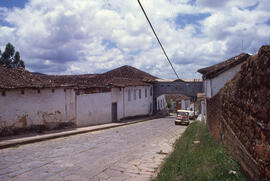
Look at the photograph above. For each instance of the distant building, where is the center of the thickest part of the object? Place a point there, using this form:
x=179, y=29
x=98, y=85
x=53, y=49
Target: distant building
x=201, y=99
x=178, y=101
x=188, y=87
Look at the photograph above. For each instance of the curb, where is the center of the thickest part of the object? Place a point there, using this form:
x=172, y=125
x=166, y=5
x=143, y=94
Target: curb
x=66, y=134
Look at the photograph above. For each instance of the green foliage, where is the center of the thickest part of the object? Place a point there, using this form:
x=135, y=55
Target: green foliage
x=207, y=160
x=10, y=58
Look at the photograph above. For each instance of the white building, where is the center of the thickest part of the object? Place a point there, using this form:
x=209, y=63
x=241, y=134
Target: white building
x=30, y=101
x=161, y=103
x=216, y=76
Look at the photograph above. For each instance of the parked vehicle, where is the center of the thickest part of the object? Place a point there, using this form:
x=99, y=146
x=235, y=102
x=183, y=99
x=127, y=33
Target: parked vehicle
x=182, y=117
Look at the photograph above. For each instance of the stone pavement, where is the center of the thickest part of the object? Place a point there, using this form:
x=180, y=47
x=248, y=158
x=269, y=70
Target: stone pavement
x=10, y=141
x=131, y=152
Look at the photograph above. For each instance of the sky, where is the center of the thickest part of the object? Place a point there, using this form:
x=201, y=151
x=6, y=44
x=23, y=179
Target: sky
x=95, y=36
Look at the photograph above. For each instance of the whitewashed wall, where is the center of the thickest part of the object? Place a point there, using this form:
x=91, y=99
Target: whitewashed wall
x=117, y=97
x=161, y=102
x=138, y=106
x=215, y=84
x=203, y=110
x=185, y=104
x=94, y=109
x=19, y=110
x=50, y=108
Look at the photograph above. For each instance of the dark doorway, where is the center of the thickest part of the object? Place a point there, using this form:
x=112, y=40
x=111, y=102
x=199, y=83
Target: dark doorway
x=155, y=105
x=114, y=111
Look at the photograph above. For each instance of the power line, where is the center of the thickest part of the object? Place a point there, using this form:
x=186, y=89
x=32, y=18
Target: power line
x=157, y=38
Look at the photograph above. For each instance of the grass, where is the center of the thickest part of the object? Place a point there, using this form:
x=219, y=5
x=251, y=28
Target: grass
x=207, y=160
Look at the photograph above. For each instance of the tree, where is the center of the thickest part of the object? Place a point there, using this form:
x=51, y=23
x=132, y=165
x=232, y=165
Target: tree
x=10, y=58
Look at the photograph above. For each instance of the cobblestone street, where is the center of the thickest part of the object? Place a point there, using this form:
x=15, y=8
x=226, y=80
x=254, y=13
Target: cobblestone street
x=131, y=152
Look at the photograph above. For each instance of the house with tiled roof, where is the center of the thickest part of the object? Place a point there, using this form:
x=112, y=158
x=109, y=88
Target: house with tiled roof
x=178, y=101
x=216, y=76
x=29, y=101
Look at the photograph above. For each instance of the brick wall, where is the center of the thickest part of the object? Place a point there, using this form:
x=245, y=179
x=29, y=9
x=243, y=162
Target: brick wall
x=239, y=115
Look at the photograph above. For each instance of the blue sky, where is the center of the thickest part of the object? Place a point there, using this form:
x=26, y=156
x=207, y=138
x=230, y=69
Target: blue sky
x=73, y=37
x=185, y=19
x=12, y=3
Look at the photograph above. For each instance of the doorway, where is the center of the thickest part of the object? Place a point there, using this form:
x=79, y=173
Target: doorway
x=114, y=112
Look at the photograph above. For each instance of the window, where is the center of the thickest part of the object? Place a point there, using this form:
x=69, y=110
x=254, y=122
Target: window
x=52, y=90
x=38, y=91
x=134, y=94
x=140, y=93
x=3, y=93
x=145, y=92
x=151, y=91
x=129, y=95
x=22, y=91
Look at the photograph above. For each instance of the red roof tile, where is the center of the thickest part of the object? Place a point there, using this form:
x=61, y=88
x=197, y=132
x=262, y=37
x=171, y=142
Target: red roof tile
x=121, y=77
x=176, y=97
x=215, y=70
x=19, y=78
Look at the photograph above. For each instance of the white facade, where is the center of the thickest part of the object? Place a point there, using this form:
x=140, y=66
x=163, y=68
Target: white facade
x=203, y=108
x=185, y=103
x=161, y=102
x=50, y=107
x=29, y=107
x=118, y=98
x=93, y=109
x=132, y=101
x=212, y=86
x=138, y=101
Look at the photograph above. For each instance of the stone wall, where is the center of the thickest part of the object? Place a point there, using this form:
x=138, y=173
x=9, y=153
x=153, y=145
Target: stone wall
x=239, y=115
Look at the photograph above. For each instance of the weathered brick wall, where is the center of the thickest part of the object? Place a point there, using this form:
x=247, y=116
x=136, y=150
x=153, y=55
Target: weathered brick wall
x=239, y=115
x=214, y=116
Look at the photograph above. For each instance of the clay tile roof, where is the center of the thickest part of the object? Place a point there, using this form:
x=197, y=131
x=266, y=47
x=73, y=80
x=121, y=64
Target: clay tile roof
x=176, y=97
x=200, y=95
x=121, y=77
x=125, y=76
x=215, y=70
x=80, y=81
x=19, y=78
x=130, y=72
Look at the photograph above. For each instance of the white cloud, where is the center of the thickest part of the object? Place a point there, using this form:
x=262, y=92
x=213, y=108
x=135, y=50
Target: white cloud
x=67, y=37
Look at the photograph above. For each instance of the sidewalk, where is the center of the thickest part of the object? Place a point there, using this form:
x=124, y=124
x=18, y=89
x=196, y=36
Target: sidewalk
x=11, y=141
